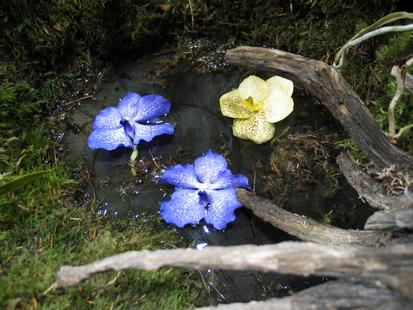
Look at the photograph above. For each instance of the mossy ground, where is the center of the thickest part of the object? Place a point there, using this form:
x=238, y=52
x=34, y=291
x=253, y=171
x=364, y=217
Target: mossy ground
x=53, y=53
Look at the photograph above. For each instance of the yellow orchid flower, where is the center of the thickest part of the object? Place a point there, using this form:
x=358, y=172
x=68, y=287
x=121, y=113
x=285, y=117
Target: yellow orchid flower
x=256, y=105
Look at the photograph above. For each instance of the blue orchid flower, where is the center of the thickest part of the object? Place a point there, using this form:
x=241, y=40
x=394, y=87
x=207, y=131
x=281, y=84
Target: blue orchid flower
x=136, y=118
x=204, y=190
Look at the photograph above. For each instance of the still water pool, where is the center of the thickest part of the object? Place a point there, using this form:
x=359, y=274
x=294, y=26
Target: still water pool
x=199, y=126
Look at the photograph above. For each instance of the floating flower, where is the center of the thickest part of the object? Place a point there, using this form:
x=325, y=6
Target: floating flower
x=206, y=189
x=136, y=118
x=256, y=105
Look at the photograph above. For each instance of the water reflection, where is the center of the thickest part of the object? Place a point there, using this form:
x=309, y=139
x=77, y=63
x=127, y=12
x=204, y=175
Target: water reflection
x=200, y=127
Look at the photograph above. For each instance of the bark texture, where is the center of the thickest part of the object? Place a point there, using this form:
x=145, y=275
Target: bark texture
x=390, y=266
x=306, y=228
x=366, y=186
x=331, y=295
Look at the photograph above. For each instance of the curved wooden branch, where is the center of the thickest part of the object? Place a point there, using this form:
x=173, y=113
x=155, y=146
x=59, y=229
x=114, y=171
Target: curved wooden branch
x=408, y=82
x=335, y=93
x=306, y=228
x=366, y=186
x=390, y=266
x=330, y=295
x=391, y=219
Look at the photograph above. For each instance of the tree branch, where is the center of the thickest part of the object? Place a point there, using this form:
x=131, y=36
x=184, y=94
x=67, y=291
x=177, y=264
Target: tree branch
x=390, y=266
x=400, y=80
x=330, y=295
x=329, y=86
x=366, y=186
x=306, y=228
x=365, y=37
x=391, y=219
x=408, y=81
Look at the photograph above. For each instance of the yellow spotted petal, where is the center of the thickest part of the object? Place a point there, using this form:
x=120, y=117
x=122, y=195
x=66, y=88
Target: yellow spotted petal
x=255, y=128
x=278, y=106
x=232, y=106
x=277, y=83
x=255, y=88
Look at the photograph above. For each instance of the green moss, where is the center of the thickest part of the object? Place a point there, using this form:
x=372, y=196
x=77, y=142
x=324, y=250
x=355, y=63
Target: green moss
x=395, y=51
x=313, y=28
x=49, y=236
x=349, y=145
x=43, y=226
x=52, y=53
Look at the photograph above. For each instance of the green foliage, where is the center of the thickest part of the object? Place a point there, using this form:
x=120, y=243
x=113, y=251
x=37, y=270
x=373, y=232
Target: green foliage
x=312, y=28
x=395, y=51
x=349, y=145
x=43, y=240
x=9, y=185
x=48, y=33
x=19, y=102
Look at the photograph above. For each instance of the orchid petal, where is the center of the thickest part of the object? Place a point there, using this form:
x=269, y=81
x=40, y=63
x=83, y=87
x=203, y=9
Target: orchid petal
x=221, y=208
x=280, y=84
x=148, y=132
x=108, y=118
x=232, y=106
x=181, y=176
x=226, y=180
x=128, y=106
x=278, y=106
x=183, y=208
x=152, y=107
x=208, y=166
x=255, y=88
x=256, y=128
x=108, y=139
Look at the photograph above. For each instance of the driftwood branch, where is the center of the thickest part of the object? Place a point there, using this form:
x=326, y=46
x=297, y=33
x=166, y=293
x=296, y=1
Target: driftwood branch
x=400, y=79
x=366, y=186
x=408, y=81
x=306, y=228
x=391, y=219
x=331, y=295
x=371, y=31
x=390, y=266
x=369, y=35
x=335, y=93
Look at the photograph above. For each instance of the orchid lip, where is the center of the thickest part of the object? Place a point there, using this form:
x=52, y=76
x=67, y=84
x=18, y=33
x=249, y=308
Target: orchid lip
x=204, y=198
x=128, y=127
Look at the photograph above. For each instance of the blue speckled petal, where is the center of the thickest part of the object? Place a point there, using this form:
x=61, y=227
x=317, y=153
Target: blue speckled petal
x=129, y=106
x=151, y=107
x=208, y=166
x=226, y=180
x=108, y=118
x=182, y=176
x=108, y=139
x=183, y=208
x=148, y=132
x=221, y=209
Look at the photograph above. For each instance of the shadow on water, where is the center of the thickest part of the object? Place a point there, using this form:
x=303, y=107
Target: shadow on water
x=200, y=127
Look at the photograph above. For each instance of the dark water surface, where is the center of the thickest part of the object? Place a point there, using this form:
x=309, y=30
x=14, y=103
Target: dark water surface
x=199, y=127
